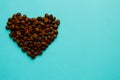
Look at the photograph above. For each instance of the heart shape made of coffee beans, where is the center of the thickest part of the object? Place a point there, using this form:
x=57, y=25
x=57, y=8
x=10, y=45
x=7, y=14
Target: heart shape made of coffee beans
x=33, y=35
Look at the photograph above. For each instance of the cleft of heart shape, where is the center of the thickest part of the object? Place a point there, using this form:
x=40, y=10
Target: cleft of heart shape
x=33, y=35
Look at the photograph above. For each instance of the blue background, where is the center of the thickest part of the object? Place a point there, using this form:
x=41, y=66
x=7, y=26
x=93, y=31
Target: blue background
x=87, y=47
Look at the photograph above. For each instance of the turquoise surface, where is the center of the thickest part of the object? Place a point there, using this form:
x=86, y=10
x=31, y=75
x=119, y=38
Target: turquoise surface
x=87, y=47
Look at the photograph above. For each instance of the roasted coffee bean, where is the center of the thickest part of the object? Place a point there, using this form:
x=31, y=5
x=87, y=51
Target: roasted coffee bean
x=24, y=49
x=39, y=18
x=43, y=33
x=37, y=29
x=51, y=16
x=18, y=41
x=51, y=33
x=14, y=38
x=23, y=22
x=18, y=14
x=55, y=32
x=46, y=20
x=28, y=48
x=54, y=35
x=30, y=54
x=46, y=15
x=9, y=23
x=20, y=44
x=57, y=22
x=33, y=51
x=7, y=27
x=55, y=26
x=33, y=35
x=35, y=43
x=43, y=43
x=18, y=33
x=39, y=52
x=54, y=18
x=24, y=16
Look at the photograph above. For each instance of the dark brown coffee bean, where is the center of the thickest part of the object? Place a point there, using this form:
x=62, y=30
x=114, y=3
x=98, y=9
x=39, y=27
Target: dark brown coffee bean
x=32, y=51
x=35, y=43
x=55, y=26
x=31, y=38
x=37, y=29
x=39, y=18
x=23, y=22
x=35, y=53
x=51, y=17
x=9, y=19
x=28, y=49
x=20, y=44
x=43, y=47
x=54, y=18
x=46, y=20
x=9, y=23
x=26, y=20
x=14, y=38
x=43, y=43
x=54, y=35
x=47, y=29
x=36, y=22
x=51, y=33
x=24, y=16
x=49, y=37
x=7, y=27
x=18, y=14
x=35, y=35
x=42, y=24
x=43, y=33
x=24, y=49
x=39, y=52
x=57, y=22
x=27, y=31
x=55, y=32
x=17, y=40
x=18, y=33
x=30, y=54
x=46, y=15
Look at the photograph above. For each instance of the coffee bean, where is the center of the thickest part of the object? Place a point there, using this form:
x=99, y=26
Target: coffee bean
x=46, y=20
x=55, y=32
x=57, y=22
x=37, y=29
x=35, y=35
x=9, y=19
x=24, y=49
x=55, y=26
x=23, y=22
x=18, y=14
x=46, y=15
x=39, y=18
x=30, y=54
x=54, y=18
x=54, y=35
x=24, y=16
x=18, y=33
x=7, y=27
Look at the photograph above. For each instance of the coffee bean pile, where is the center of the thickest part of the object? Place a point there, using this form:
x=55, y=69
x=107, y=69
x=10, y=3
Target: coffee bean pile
x=33, y=35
